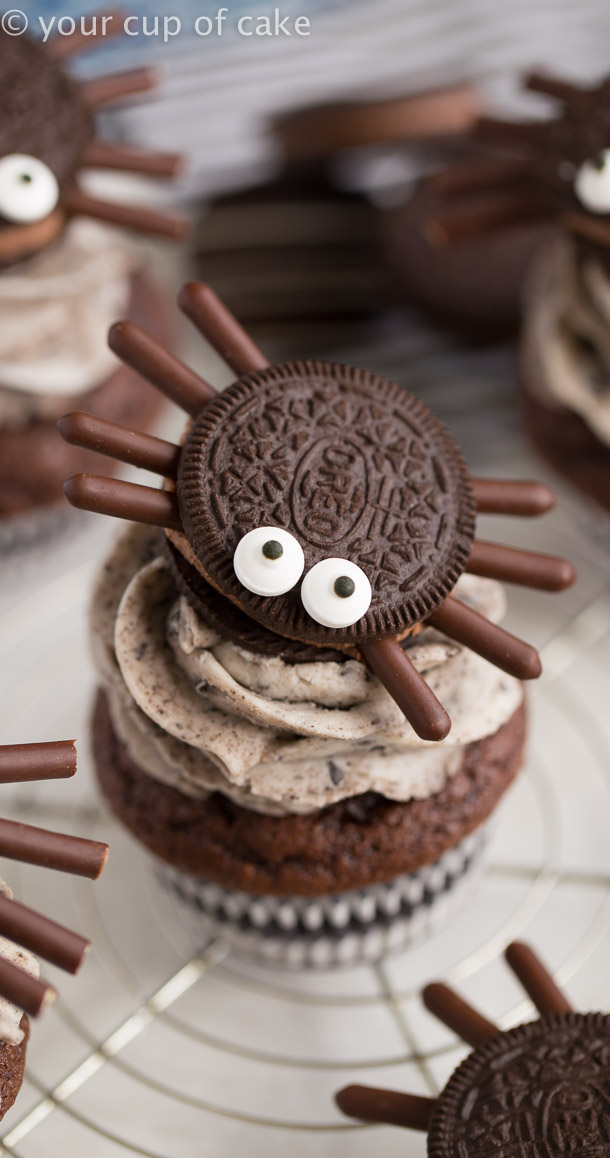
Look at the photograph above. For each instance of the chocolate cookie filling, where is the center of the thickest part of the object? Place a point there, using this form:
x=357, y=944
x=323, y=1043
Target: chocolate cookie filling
x=348, y=845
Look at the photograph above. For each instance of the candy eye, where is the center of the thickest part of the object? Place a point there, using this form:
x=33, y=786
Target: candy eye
x=336, y=593
x=592, y=183
x=28, y=189
x=268, y=561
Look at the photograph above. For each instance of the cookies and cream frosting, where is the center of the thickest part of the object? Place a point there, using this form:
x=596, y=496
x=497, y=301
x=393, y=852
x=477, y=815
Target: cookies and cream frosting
x=566, y=335
x=55, y=312
x=201, y=713
x=10, y=1015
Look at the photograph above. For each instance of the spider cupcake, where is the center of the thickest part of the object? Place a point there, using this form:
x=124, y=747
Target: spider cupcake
x=64, y=272
x=308, y=708
x=539, y=1090
x=559, y=173
x=23, y=931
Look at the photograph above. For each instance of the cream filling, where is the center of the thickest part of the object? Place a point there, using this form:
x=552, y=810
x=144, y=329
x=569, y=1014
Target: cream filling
x=55, y=311
x=10, y=1015
x=200, y=713
x=565, y=346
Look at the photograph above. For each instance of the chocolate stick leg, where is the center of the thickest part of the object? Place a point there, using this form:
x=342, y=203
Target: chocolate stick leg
x=104, y=89
x=62, y=47
x=212, y=318
x=54, y=850
x=124, y=158
x=142, y=450
x=395, y=1109
x=23, y=762
x=27, y=993
x=536, y=979
x=498, y=496
x=43, y=937
x=493, y=643
x=544, y=572
x=123, y=500
x=502, y=211
x=147, y=357
x=596, y=231
x=407, y=687
x=551, y=86
x=476, y=176
x=79, y=204
x=458, y=1015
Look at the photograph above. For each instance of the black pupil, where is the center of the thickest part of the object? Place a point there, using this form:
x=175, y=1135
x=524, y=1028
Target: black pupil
x=344, y=587
x=26, y=178
x=599, y=162
x=273, y=550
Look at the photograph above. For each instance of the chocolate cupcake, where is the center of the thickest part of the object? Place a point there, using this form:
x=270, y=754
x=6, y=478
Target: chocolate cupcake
x=65, y=272
x=23, y=931
x=538, y=1089
x=556, y=173
x=273, y=656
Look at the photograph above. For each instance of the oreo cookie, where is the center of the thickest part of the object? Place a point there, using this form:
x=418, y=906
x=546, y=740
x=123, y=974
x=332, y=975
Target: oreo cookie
x=360, y=472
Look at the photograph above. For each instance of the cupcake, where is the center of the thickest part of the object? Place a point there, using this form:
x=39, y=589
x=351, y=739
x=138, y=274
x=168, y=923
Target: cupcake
x=558, y=175
x=307, y=710
x=538, y=1089
x=65, y=273
x=23, y=931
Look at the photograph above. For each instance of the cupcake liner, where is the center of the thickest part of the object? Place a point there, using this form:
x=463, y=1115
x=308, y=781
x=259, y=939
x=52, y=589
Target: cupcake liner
x=339, y=929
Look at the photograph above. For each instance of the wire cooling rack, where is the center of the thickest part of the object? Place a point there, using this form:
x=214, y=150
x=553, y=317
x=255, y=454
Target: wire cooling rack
x=168, y=1048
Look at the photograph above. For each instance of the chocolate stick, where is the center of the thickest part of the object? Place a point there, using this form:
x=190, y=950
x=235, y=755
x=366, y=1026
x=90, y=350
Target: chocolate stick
x=493, y=643
x=503, y=211
x=20, y=763
x=544, y=572
x=24, y=991
x=536, y=979
x=407, y=687
x=141, y=220
x=147, y=357
x=108, y=155
x=123, y=500
x=56, y=850
x=476, y=176
x=528, y=134
x=104, y=89
x=458, y=1015
x=62, y=47
x=43, y=937
x=551, y=86
x=596, y=231
x=142, y=450
x=389, y=1106
x=498, y=496
x=212, y=318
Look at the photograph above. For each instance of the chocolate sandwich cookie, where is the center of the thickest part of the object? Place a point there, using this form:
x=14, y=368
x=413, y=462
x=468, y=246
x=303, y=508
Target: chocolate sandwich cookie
x=308, y=677
x=12, y=1066
x=537, y=1089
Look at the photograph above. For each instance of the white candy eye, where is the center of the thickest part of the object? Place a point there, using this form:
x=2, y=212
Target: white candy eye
x=28, y=189
x=336, y=593
x=592, y=183
x=268, y=561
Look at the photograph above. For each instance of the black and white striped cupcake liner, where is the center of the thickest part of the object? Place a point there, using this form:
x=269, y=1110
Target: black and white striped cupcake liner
x=359, y=925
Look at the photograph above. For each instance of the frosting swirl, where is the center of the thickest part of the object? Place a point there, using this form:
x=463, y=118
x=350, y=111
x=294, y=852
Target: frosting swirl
x=565, y=348
x=203, y=714
x=56, y=309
